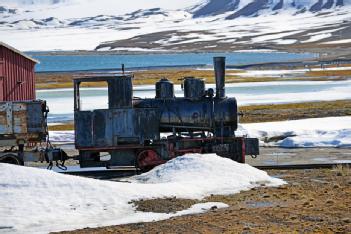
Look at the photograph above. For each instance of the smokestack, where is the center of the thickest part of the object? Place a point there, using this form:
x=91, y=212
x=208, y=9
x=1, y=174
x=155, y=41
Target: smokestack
x=219, y=67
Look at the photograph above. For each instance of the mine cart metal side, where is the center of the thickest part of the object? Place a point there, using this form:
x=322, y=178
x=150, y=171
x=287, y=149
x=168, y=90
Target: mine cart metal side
x=22, y=122
x=24, y=132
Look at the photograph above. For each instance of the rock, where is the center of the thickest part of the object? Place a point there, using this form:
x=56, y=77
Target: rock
x=306, y=203
x=330, y=202
x=214, y=208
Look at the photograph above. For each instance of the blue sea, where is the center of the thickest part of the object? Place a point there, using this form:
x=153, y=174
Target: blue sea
x=68, y=63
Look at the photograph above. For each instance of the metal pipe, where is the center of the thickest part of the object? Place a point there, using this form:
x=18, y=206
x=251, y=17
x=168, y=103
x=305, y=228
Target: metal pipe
x=219, y=68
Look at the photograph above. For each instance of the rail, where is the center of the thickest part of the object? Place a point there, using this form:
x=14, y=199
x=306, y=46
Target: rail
x=117, y=173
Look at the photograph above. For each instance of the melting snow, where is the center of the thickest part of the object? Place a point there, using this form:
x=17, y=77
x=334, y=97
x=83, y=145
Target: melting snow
x=288, y=72
x=316, y=132
x=40, y=201
x=338, y=41
x=317, y=37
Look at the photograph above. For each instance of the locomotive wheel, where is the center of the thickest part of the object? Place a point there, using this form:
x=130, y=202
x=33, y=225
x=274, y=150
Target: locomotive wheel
x=11, y=159
x=148, y=159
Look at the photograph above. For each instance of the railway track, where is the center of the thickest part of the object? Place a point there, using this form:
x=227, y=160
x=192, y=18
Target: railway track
x=116, y=174
x=303, y=166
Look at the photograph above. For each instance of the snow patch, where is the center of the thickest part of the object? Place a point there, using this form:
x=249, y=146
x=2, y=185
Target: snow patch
x=316, y=132
x=338, y=42
x=285, y=41
x=61, y=136
x=40, y=201
x=287, y=72
x=317, y=37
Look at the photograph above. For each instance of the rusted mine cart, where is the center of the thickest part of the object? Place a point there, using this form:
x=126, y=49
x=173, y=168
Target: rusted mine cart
x=143, y=133
x=24, y=134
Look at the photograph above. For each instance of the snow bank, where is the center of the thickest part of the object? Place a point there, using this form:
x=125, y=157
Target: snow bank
x=316, y=132
x=283, y=72
x=40, y=201
x=205, y=175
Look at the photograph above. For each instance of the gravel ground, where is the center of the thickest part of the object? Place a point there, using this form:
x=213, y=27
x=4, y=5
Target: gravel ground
x=313, y=201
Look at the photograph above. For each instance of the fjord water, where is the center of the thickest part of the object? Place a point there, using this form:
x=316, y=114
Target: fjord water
x=60, y=101
x=64, y=63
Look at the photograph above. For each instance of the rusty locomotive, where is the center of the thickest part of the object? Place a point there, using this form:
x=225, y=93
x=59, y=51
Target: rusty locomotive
x=148, y=132
x=135, y=132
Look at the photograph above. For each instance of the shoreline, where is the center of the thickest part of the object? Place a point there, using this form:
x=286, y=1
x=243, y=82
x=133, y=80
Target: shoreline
x=290, y=71
x=125, y=52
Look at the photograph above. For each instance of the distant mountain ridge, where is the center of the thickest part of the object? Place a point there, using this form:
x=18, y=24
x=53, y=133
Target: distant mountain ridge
x=253, y=7
x=34, y=2
x=200, y=8
x=181, y=25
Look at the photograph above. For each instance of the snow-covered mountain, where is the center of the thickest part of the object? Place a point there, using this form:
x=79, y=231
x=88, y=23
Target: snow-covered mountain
x=172, y=25
x=255, y=7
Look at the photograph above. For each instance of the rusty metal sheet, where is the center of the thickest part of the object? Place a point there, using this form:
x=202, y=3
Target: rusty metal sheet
x=22, y=120
x=83, y=128
x=113, y=127
x=35, y=119
x=3, y=122
x=6, y=118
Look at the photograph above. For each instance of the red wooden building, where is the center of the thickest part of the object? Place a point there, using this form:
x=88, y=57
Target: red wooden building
x=16, y=75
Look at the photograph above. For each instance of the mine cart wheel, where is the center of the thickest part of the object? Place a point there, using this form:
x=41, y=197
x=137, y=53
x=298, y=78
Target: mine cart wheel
x=148, y=159
x=11, y=159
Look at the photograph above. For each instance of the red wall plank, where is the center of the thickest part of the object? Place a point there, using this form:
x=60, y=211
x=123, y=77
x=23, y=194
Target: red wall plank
x=1, y=90
x=1, y=68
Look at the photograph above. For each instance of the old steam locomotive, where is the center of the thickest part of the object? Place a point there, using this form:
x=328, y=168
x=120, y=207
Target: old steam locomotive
x=148, y=132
